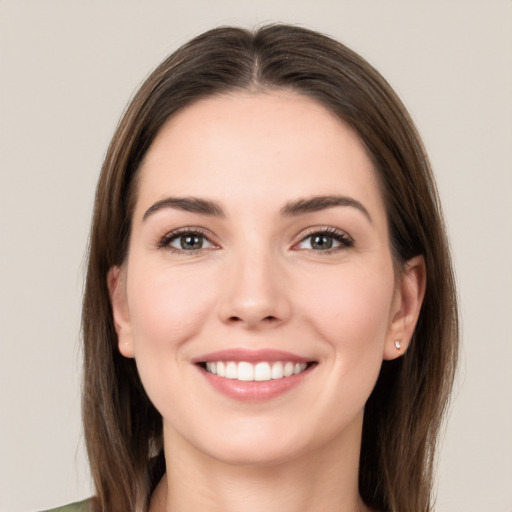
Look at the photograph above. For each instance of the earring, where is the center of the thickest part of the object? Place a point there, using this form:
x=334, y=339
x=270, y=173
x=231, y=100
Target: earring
x=397, y=344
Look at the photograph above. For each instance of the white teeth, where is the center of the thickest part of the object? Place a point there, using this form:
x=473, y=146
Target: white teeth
x=261, y=372
x=245, y=371
x=231, y=370
x=258, y=372
x=288, y=369
x=221, y=369
x=298, y=368
x=277, y=371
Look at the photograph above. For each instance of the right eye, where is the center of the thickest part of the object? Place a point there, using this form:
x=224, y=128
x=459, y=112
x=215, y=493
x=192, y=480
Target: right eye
x=186, y=241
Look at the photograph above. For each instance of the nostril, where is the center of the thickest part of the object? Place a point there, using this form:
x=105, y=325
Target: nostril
x=267, y=319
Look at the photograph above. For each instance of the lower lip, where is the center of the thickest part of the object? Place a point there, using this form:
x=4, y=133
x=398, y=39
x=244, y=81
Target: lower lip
x=254, y=391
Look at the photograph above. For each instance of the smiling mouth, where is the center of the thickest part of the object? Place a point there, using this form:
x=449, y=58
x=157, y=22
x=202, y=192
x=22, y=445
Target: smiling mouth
x=255, y=372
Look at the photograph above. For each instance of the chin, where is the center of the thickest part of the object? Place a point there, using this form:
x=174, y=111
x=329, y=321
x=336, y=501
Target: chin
x=264, y=444
x=257, y=455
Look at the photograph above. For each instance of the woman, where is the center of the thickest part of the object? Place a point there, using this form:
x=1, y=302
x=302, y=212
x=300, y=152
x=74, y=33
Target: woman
x=269, y=319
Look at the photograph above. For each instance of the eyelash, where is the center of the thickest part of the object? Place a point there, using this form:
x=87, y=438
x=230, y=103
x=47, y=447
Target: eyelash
x=339, y=236
x=344, y=240
x=165, y=241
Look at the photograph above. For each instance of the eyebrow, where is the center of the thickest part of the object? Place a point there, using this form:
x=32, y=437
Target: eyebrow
x=187, y=204
x=291, y=209
x=318, y=203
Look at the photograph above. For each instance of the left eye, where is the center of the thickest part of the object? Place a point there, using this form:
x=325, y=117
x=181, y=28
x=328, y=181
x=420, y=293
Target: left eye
x=324, y=241
x=189, y=242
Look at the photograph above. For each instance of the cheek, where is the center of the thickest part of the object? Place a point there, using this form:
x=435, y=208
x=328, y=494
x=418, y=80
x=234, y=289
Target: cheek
x=167, y=307
x=350, y=316
x=350, y=310
x=350, y=302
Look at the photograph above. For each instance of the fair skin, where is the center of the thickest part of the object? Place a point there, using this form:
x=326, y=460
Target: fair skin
x=251, y=270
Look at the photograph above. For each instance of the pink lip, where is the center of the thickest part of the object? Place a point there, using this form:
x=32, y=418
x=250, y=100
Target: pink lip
x=253, y=391
x=250, y=356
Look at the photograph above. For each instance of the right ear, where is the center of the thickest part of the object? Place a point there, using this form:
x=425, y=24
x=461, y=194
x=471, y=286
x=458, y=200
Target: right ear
x=116, y=282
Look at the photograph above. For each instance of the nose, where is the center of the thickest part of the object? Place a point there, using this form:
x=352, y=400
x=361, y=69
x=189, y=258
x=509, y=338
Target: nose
x=256, y=295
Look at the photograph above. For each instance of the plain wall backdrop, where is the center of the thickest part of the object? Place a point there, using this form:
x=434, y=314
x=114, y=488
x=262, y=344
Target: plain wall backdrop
x=67, y=70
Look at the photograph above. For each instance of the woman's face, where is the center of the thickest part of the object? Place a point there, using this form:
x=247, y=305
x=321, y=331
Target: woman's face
x=258, y=296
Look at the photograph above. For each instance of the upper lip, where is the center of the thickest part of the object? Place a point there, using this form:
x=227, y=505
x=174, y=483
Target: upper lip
x=250, y=356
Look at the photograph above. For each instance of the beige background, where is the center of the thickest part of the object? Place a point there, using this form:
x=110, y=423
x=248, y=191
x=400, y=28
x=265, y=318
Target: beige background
x=68, y=68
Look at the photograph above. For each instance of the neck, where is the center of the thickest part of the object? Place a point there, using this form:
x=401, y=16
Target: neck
x=322, y=480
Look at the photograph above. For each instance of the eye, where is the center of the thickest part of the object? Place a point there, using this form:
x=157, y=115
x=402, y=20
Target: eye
x=328, y=239
x=188, y=241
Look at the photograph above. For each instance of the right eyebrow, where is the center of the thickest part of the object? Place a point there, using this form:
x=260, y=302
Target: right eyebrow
x=187, y=204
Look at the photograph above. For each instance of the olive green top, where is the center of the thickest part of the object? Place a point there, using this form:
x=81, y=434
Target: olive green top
x=79, y=506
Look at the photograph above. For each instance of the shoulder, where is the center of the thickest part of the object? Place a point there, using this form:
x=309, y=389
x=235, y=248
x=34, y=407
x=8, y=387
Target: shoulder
x=79, y=506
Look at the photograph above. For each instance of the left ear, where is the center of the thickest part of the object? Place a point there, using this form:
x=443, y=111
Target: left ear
x=407, y=302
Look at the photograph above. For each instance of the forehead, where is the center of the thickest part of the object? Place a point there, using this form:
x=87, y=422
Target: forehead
x=255, y=147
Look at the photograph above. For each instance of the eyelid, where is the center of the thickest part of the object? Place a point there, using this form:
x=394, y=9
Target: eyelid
x=164, y=241
x=341, y=236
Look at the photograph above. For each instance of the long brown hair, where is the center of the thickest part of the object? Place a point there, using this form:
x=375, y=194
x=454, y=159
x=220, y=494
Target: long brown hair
x=123, y=430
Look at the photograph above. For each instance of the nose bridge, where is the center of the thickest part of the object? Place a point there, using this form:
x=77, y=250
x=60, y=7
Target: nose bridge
x=255, y=293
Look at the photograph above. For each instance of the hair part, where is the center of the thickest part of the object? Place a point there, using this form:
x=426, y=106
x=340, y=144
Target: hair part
x=123, y=430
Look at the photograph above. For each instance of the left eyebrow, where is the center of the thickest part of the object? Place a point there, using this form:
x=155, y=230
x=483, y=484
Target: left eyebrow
x=318, y=203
